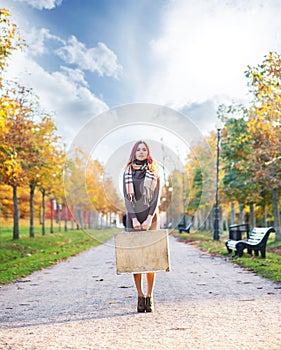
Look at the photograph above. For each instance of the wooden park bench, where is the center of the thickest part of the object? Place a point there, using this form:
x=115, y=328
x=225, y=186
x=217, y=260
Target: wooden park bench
x=255, y=242
x=184, y=228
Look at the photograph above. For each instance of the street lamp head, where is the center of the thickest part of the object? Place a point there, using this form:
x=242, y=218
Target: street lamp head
x=219, y=124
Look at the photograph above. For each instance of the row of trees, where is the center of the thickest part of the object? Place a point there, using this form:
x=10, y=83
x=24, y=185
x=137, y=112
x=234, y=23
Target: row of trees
x=87, y=189
x=250, y=170
x=254, y=143
x=30, y=149
x=32, y=155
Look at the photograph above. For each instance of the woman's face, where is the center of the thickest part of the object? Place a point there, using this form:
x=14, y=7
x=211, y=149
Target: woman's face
x=141, y=152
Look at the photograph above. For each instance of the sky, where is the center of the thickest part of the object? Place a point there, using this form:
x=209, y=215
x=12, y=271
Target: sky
x=91, y=56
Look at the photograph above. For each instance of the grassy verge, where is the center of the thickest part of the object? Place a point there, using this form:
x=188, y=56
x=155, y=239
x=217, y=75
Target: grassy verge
x=19, y=258
x=270, y=267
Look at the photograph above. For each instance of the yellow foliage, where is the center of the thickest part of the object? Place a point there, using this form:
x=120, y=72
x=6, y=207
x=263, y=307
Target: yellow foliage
x=10, y=40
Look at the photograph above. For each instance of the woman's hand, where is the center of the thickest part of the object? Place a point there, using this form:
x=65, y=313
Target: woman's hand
x=147, y=223
x=136, y=224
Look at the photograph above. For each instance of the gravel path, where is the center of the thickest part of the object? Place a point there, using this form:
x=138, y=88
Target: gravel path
x=204, y=302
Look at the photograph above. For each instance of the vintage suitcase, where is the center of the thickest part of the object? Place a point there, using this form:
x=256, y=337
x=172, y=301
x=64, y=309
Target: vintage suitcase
x=142, y=251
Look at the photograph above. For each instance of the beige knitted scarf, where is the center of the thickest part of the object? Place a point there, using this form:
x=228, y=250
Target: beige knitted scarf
x=150, y=182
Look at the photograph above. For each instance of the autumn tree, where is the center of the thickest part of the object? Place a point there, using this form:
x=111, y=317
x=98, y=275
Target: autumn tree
x=74, y=181
x=87, y=190
x=200, y=181
x=10, y=167
x=82, y=191
x=43, y=161
x=10, y=41
x=29, y=154
x=17, y=140
x=100, y=189
x=51, y=183
x=264, y=126
x=237, y=160
x=177, y=202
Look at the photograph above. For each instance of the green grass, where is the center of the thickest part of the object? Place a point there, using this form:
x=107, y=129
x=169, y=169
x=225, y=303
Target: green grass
x=270, y=267
x=19, y=258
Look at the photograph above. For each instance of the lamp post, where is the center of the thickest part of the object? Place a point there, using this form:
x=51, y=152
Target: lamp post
x=219, y=126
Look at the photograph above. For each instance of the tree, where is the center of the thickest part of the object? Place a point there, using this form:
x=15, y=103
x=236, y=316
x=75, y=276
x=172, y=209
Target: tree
x=50, y=175
x=43, y=161
x=27, y=149
x=237, y=158
x=17, y=140
x=179, y=194
x=200, y=170
x=265, y=127
x=10, y=41
x=85, y=184
x=10, y=167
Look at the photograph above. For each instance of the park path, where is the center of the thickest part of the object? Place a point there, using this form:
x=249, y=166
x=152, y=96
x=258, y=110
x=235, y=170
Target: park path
x=204, y=302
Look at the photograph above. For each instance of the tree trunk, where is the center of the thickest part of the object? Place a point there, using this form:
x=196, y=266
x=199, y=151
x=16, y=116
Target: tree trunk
x=43, y=212
x=226, y=219
x=57, y=211
x=200, y=222
x=232, y=213
x=264, y=214
x=101, y=220
x=276, y=213
x=252, y=216
x=241, y=213
x=221, y=220
x=195, y=220
x=78, y=218
x=89, y=219
x=263, y=209
x=72, y=218
x=52, y=217
x=84, y=216
x=16, y=214
x=31, y=206
x=95, y=219
x=40, y=215
x=59, y=216
x=65, y=218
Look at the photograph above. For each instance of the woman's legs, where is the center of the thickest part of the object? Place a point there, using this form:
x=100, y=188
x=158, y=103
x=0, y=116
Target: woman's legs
x=145, y=303
x=150, y=280
x=138, y=283
x=141, y=299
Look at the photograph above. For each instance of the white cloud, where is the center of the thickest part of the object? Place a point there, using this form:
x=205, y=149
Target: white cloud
x=36, y=39
x=98, y=59
x=42, y=4
x=205, y=47
x=75, y=75
x=64, y=92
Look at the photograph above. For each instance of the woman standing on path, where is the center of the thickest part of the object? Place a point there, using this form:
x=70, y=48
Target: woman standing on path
x=141, y=193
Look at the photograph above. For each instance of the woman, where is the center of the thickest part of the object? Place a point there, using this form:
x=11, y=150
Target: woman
x=141, y=194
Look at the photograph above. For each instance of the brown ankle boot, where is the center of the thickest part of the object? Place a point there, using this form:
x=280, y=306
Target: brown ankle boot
x=141, y=304
x=149, y=306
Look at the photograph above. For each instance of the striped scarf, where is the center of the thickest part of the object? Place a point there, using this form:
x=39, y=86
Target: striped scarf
x=150, y=182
